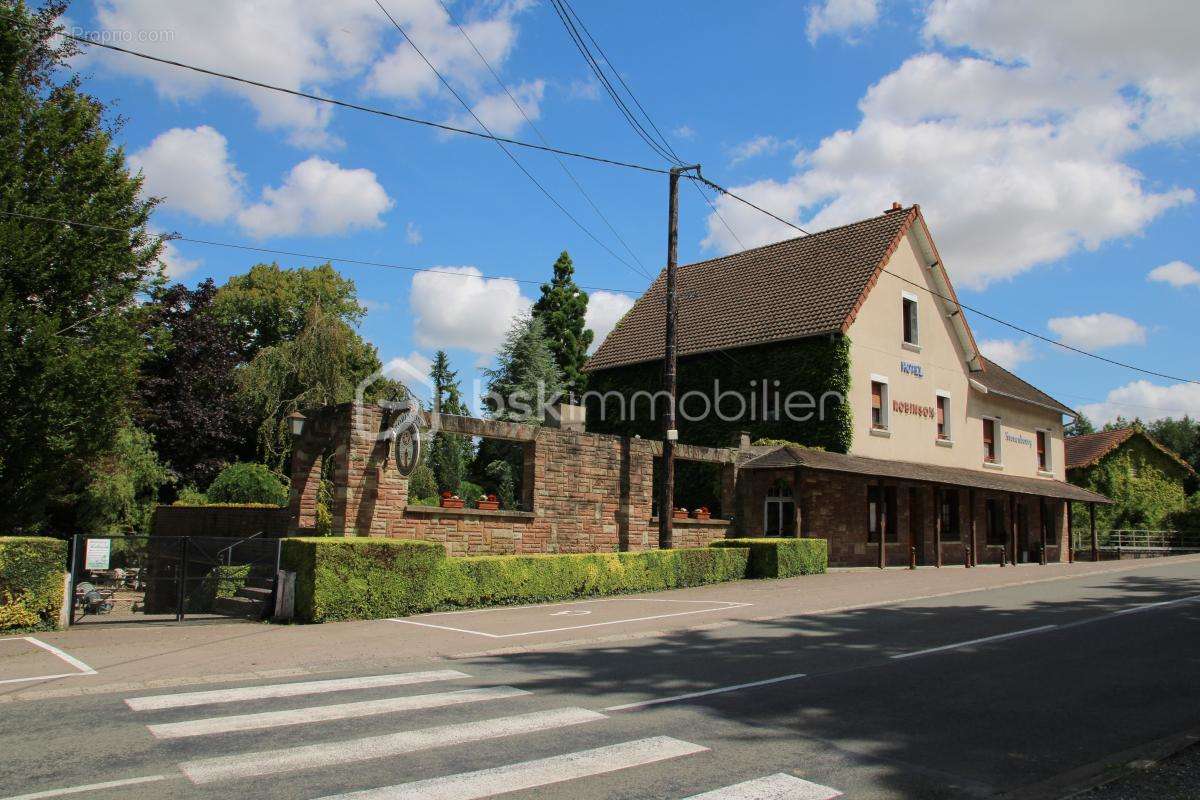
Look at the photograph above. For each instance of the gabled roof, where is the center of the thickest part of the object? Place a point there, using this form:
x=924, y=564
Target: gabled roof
x=997, y=380
x=1087, y=449
x=787, y=290
x=789, y=456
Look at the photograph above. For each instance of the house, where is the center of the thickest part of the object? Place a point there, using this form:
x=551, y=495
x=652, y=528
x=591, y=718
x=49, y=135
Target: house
x=1146, y=479
x=887, y=431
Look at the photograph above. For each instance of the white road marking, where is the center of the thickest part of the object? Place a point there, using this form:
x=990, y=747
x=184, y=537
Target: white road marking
x=970, y=643
x=181, y=700
x=779, y=786
x=532, y=774
x=571, y=613
x=1161, y=604
x=303, y=716
x=705, y=693
x=91, y=787
x=725, y=607
x=271, y=762
x=83, y=668
x=70, y=659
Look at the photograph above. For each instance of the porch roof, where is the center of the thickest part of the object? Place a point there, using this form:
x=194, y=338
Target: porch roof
x=789, y=456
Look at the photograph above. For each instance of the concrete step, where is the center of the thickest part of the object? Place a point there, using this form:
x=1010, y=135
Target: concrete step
x=254, y=593
x=240, y=607
x=259, y=582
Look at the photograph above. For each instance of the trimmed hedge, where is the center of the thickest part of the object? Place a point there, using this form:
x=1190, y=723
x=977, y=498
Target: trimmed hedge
x=361, y=578
x=782, y=558
x=31, y=582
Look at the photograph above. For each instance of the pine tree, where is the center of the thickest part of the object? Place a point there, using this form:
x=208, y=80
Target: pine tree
x=562, y=308
x=526, y=374
x=449, y=455
x=1079, y=426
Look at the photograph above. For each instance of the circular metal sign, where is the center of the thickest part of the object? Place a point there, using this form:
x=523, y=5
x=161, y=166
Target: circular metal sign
x=408, y=450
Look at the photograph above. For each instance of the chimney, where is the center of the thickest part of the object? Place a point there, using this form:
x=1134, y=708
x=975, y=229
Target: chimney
x=895, y=207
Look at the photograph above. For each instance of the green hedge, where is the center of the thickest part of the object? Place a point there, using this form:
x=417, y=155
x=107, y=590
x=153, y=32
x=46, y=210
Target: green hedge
x=348, y=578
x=31, y=582
x=782, y=558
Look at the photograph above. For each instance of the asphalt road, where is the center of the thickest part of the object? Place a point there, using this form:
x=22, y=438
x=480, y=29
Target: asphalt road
x=901, y=701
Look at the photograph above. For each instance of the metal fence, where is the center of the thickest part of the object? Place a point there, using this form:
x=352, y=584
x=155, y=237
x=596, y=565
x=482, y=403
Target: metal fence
x=1139, y=541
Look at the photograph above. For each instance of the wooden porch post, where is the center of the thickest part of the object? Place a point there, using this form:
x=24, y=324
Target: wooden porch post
x=937, y=524
x=1095, y=536
x=973, y=561
x=883, y=524
x=1070, y=531
x=1043, y=506
x=1012, y=524
x=797, y=501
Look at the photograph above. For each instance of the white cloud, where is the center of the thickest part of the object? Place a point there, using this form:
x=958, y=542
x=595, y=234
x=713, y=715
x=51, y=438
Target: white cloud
x=684, y=132
x=1146, y=400
x=840, y=17
x=458, y=307
x=1177, y=273
x=318, y=197
x=1093, y=331
x=412, y=233
x=409, y=367
x=757, y=146
x=175, y=265
x=1008, y=353
x=1017, y=154
x=190, y=168
x=604, y=311
x=588, y=89
x=498, y=113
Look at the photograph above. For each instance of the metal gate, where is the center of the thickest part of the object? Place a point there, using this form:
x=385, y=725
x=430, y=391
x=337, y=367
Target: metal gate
x=172, y=578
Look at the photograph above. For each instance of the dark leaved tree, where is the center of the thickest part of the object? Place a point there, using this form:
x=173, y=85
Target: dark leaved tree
x=562, y=309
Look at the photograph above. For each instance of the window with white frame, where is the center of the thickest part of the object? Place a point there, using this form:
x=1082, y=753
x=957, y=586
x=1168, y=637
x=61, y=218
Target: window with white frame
x=908, y=307
x=945, y=432
x=991, y=441
x=880, y=418
x=1043, y=451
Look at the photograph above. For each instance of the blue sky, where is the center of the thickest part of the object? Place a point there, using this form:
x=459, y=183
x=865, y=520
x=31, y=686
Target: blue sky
x=1052, y=150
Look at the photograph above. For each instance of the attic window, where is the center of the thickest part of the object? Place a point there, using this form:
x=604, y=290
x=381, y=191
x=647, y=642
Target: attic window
x=909, y=312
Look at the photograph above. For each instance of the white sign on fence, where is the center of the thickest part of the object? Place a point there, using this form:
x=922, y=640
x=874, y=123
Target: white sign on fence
x=98, y=554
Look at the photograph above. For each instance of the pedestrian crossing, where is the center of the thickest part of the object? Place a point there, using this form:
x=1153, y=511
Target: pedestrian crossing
x=485, y=715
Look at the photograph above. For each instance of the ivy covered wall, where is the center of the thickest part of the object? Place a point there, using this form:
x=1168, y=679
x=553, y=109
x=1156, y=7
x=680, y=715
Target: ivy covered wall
x=818, y=365
x=1146, y=483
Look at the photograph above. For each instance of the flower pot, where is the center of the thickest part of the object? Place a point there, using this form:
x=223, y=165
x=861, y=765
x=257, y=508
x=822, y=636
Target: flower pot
x=488, y=505
x=452, y=502
x=701, y=515
x=679, y=514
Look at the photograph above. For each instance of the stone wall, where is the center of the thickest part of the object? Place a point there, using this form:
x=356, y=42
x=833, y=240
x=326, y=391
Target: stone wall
x=229, y=521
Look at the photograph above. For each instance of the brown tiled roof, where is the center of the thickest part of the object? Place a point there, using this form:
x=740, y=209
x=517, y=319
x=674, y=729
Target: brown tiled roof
x=787, y=456
x=999, y=380
x=787, y=290
x=1089, y=448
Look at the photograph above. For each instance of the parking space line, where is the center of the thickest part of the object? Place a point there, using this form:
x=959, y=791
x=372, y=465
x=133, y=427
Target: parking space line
x=728, y=605
x=972, y=642
x=91, y=787
x=705, y=693
x=304, y=716
x=271, y=762
x=160, y=701
x=83, y=668
x=779, y=786
x=532, y=774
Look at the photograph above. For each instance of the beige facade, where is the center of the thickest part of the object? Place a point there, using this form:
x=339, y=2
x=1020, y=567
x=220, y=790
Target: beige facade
x=938, y=362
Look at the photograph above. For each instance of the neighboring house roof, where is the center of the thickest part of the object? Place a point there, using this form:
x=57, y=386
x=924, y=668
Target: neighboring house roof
x=997, y=380
x=787, y=290
x=1087, y=450
x=788, y=456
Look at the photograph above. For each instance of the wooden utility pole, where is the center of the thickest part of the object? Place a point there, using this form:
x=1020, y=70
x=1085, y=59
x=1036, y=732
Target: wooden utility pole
x=1095, y=536
x=666, y=503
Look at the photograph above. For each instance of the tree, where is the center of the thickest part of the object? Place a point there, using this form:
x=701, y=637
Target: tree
x=1079, y=426
x=187, y=392
x=123, y=487
x=449, y=455
x=1181, y=435
x=269, y=306
x=562, y=308
x=526, y=375
x=247, y=483
x=70, y=343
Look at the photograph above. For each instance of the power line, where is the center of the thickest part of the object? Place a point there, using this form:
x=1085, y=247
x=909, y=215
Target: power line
x=540, y=136
x=500, y=144
x=973, y=310
x=345, y=103
x=296, y=254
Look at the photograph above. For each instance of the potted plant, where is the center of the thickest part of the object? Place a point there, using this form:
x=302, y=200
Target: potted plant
x=450, y=500
x=679, y=513
x=701, y=513
x=489, y=503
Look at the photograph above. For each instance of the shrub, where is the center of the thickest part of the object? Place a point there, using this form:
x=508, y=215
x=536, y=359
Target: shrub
x=470, y=493
x=191, y=496
x=338, y=579
x=31, y=582
x=782, y=558
x=421, y=482
x=248, y=483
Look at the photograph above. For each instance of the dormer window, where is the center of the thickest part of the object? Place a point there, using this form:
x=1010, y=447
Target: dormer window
x=908, y=303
